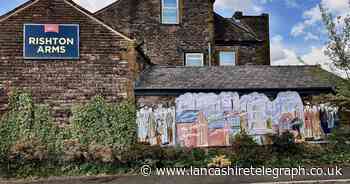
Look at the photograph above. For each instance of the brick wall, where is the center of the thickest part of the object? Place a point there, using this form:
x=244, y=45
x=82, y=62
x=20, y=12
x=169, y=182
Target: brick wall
x=246, y=54
x=103, y=67
x=261, y=26
x=164, y=44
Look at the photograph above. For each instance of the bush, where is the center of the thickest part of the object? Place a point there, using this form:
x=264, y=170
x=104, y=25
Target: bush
x=26, y=123
x=340, y=138
x=242, y=141
x=247, y=151
x=101, y=123
x=285, y=144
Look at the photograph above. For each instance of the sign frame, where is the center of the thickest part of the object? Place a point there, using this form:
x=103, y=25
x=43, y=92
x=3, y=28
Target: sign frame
x=50, y=58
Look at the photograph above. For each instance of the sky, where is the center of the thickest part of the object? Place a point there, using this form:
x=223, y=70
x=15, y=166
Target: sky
x=296, y=28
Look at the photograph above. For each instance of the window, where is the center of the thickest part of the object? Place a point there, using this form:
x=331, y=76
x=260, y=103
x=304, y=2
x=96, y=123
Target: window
x=194, y=59
x=170, y=11
x=227, y=58
x=257, y=116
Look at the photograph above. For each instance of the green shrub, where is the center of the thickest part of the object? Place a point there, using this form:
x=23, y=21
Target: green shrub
x=243, y=140
x=340, y=138
x=247, y=151
x=108, y=125
x=284, y=145
x=26, y=121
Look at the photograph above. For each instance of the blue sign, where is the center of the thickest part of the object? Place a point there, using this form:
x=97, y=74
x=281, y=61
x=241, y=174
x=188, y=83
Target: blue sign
x=51, y=41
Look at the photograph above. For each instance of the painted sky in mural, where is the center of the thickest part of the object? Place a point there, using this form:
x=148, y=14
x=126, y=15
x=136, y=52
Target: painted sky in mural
x=207, y=119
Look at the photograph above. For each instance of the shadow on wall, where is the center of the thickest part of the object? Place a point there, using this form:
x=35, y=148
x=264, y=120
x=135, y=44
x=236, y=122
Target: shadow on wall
x=210, y=120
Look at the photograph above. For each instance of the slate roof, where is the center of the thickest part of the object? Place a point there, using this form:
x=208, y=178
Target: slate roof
x=228, y=30
x=250, y=77
x=17, y=8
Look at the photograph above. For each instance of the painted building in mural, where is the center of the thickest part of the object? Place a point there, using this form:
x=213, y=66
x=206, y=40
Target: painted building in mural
x=197, y=78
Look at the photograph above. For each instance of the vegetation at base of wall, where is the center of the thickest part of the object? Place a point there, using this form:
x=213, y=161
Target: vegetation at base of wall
x=158, y=157
x=101, y=140
x=31, y=143
x=103, y=127
x=25, y=128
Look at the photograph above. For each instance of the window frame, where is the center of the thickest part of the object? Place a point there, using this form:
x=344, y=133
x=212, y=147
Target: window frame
x=194, y=53
x=163, y=8
x=235, y=53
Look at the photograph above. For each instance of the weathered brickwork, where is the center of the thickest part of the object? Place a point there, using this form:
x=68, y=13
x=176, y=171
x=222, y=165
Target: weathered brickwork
x=103, y=67
x=245, y=54
x=167, y=44
x=260, y=25
x=164, y=44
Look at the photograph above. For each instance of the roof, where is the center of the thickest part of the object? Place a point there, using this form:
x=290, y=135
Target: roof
x=235, y=78
x=107, y=7
x=69, y=2
x=228, y=30
x=17, y=9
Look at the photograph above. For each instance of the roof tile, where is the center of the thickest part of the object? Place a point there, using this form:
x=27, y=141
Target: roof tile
x=235, y=77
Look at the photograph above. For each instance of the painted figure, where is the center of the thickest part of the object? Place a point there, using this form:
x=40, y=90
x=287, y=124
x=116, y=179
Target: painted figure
x=156, y=126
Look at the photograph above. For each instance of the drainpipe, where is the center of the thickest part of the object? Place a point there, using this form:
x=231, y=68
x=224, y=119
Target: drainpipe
x=133, y=68
x=209, y=53
x=211, y=30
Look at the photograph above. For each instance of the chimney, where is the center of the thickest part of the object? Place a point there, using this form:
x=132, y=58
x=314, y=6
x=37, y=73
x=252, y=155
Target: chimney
x=238, y=15
x=261, y=26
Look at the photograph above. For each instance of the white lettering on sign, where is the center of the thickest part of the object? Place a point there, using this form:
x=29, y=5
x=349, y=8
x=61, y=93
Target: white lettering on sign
x=50, y=41
x=51, y=45
x=51, y=49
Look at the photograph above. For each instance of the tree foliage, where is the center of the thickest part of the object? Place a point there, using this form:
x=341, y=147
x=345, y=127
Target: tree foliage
x=338, y=50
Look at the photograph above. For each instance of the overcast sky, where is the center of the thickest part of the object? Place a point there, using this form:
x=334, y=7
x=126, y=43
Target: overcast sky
x=295, y=25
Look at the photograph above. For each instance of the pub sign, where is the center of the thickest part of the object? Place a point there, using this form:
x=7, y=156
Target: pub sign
x=51, y=41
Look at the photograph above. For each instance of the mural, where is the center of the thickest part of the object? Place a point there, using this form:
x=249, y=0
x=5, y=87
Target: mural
x=320, y=121
x=257, y=118
x=211, y=120
x=288, y=114
x=207, y=119
x=156, y=126
x=257, y=113
x=329, y=118
x=312, y=123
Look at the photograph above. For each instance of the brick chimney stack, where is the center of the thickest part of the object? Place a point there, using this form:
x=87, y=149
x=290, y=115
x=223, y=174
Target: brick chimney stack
x=261, y=25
